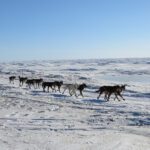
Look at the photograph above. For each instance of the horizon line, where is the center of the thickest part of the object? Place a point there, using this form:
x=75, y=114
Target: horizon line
x=71, y=59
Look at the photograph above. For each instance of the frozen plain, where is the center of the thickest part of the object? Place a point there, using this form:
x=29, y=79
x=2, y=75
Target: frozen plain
x=33, y=120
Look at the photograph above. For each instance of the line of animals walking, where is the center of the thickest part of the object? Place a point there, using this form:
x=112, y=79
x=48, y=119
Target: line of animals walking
x=108, y=91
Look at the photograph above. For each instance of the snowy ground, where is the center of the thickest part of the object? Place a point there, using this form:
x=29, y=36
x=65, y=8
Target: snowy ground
x=33, y=120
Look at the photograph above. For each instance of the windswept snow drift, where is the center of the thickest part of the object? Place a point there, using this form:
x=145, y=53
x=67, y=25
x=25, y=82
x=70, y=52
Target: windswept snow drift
x=33, y=120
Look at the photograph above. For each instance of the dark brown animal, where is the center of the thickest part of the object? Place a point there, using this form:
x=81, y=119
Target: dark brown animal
x=117, y=92
x=22, y=80
x=11, y=79
x=81, y=87
x=48, y=85
x=109, y=90
x=30, y=82
x=58, y=84
x=38, y=82
x=103, y=90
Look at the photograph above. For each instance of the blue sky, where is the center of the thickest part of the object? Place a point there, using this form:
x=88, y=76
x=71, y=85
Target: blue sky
x=72, y=29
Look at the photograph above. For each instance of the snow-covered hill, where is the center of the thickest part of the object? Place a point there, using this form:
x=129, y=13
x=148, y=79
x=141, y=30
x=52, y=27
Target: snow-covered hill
x=33, y=120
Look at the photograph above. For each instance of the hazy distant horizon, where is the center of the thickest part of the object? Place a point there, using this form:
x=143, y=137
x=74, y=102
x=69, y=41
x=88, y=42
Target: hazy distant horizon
x=74, y=59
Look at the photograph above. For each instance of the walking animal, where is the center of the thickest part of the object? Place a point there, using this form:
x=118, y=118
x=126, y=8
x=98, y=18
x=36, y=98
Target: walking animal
x=11, y=79
x=58, y=84
x=38, y=82
x=48, y=85
x=73, y=88
x=81, y=88
x=30, y=82
x=119, y=90
x=22, y=80
x=109, y=90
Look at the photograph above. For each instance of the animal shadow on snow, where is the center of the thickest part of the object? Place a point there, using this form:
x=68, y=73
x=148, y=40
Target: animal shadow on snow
x=36, y=93
x=55, y=95
x=97, y=101
x=59, y=95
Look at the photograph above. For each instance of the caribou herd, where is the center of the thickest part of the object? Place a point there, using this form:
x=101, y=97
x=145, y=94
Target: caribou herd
x=108, y=91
